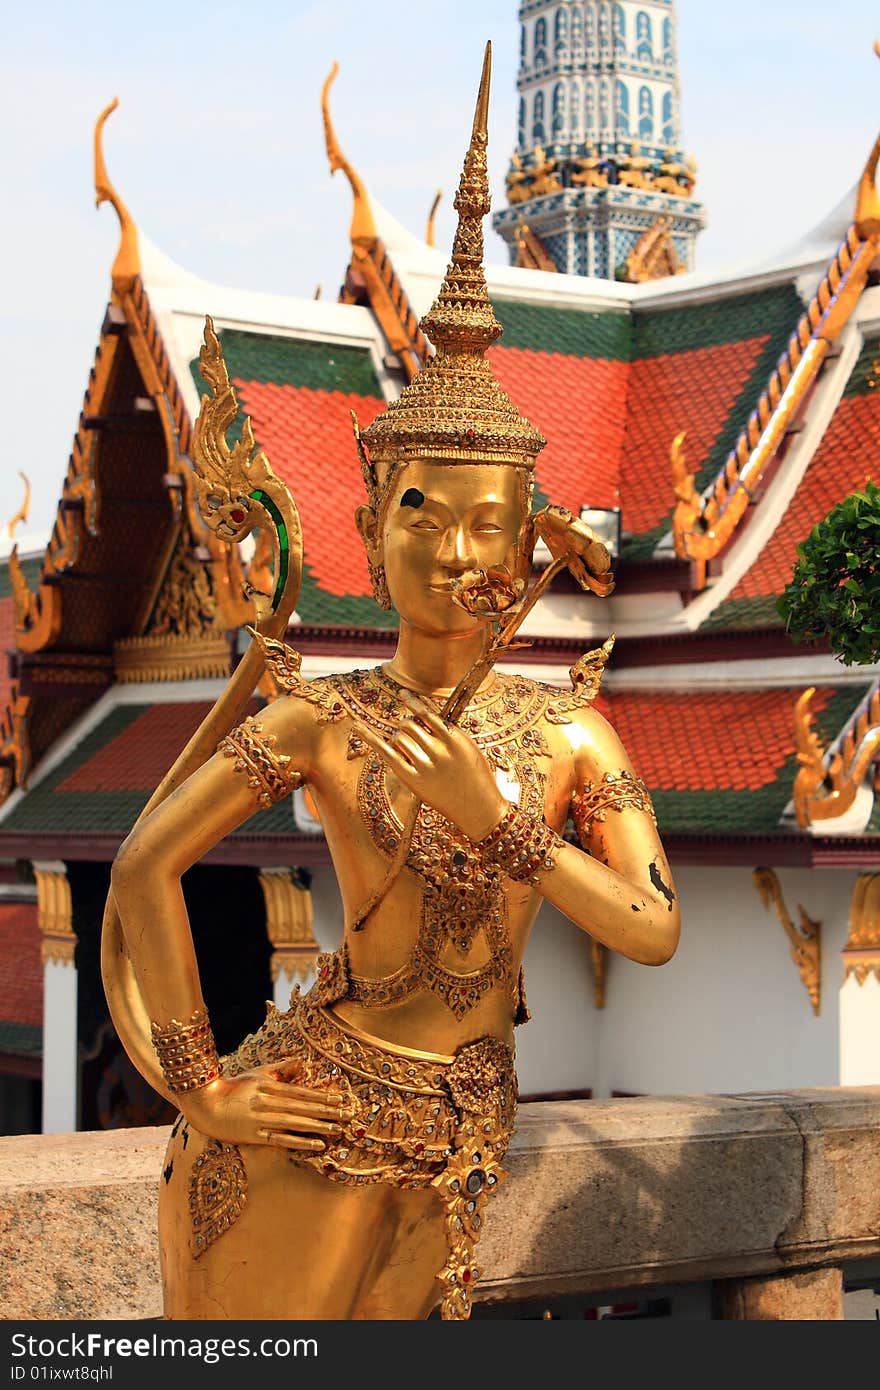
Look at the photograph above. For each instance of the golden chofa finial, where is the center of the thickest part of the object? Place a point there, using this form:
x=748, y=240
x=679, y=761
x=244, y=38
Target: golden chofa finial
x=867, y=214
x=127, y=265
x=22, y=513
x=363, y=228
x=429, y=234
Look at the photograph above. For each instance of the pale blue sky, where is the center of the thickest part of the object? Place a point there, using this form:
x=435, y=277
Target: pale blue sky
x=217, y=148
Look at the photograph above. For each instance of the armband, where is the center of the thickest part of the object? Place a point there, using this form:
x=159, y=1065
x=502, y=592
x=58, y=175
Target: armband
x=618, y=791
x=254, y=754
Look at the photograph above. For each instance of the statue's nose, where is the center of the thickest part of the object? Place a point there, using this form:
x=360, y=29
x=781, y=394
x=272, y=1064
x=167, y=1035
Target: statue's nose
x=455, y=550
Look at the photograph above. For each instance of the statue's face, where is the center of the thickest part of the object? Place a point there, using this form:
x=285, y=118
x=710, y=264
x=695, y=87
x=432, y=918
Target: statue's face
x=439, y=522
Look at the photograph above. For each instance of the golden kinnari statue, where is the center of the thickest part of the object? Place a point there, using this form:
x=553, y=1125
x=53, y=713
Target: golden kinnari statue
x=338, y=1164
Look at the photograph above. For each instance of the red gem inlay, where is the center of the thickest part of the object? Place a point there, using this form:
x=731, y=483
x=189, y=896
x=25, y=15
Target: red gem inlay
x=466, y=1276
x=238, y=515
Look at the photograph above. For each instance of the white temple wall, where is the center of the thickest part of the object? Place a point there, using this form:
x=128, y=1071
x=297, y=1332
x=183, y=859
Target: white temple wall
x=729, y=1013
x=860, y=1032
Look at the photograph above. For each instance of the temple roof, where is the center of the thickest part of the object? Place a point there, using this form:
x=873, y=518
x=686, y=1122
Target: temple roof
x=609, y=372
x=720, y=764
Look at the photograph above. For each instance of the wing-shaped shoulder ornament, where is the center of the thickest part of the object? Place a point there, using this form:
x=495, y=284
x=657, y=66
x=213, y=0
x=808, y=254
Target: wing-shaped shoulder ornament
x=586, y=678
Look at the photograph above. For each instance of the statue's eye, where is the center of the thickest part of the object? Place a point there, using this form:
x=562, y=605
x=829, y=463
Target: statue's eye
x=425, y=523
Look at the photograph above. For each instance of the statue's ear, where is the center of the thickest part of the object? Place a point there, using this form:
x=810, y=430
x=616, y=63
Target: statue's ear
x=367, y=522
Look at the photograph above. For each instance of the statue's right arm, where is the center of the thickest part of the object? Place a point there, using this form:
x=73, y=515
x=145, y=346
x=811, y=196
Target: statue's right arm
x=146, y=884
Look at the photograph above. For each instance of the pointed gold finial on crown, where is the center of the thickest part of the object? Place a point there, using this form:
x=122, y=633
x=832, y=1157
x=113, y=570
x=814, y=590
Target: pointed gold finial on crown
x=454, y=409
x=462, y=316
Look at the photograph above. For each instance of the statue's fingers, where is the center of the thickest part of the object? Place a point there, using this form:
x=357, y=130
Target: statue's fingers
x=277, y=1097
x=294, y=1120
x=394, y=760
x=312, y=1093
x=425, y=738
x=406, y=743
x=426, y=713
x=292, y=1141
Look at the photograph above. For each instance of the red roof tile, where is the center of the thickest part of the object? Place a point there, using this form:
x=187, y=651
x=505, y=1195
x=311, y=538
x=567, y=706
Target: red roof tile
x=579, y=403
x=694, y=390
x=307, y=434
x=848, y=454
x=21, y=970
x=720, y=740
x=138, y=758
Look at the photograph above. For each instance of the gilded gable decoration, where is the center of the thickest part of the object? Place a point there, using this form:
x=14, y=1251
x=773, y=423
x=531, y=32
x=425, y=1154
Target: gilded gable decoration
x=861, y=954
x=185, y=637
x=805, y=941
x=653, y=257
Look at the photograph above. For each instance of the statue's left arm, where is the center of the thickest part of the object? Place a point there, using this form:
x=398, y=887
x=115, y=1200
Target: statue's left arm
x=618, y=887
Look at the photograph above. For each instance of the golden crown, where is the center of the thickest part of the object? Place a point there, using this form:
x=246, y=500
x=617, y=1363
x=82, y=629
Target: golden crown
x=454, y=408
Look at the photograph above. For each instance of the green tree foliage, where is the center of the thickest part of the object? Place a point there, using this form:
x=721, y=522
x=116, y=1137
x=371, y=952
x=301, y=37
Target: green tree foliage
x=834, y=591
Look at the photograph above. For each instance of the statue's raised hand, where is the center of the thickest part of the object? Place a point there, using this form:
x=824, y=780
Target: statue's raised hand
x=443, y=767
x=258, y=1107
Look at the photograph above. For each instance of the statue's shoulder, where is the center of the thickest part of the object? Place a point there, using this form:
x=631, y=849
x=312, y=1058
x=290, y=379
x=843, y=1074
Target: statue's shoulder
x=563, y=707
x=330, y=695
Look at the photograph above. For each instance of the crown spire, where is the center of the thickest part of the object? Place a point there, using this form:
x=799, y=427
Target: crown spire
x=454, y=408
x=461, y=316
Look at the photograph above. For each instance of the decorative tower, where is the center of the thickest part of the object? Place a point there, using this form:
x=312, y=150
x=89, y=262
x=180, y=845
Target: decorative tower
x=599, y=184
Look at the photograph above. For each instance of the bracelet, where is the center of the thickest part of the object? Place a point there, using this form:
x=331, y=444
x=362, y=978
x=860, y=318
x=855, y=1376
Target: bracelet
x=254, y=754
x=520, y=846
x=187, y=1052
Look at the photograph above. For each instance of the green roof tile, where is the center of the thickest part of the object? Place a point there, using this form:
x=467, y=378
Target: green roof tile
x=865, y=375
x=21, y=1039
x=30, y=568
x=571, y=332
x=720, y=811
x=286, y=361
x=727, y=319
x=739, y=613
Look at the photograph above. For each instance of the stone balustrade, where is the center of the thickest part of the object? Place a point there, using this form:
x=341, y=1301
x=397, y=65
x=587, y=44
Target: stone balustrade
x=767, y=1196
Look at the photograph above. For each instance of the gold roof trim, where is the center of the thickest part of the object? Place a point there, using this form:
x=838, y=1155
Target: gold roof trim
x=363, y=228
x=24, y=509
x=454, y=408
x=703, y=526
x=429, y=230
x=127, y=265
x=826, y=788
x=371, y=278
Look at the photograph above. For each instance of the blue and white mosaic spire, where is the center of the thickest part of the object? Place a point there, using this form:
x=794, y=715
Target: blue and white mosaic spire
x=599, y=159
